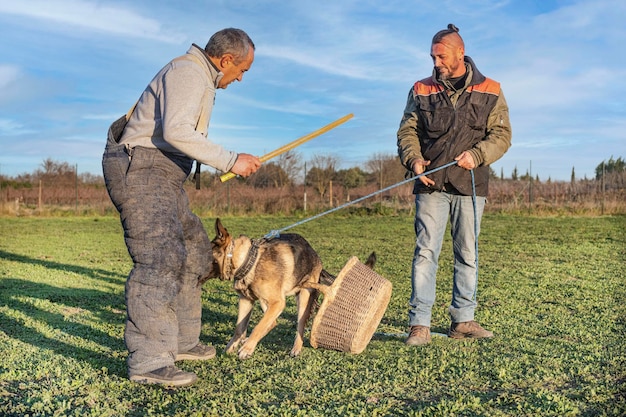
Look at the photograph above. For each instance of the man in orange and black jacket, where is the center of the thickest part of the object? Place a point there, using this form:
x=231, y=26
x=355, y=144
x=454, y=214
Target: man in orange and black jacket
x=460, y=115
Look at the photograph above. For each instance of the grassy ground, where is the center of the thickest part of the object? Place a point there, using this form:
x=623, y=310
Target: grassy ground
x=551, y=289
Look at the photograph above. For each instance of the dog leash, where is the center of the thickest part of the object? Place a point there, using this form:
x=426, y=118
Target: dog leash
x=475, y=231
x=276, y=233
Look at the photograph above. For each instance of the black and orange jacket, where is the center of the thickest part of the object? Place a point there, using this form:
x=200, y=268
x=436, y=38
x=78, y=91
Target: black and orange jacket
x=440, y=123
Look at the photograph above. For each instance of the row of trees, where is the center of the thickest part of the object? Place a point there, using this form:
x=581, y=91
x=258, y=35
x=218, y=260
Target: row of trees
x=321, y=171
x=382, y=170
x=289, y=170
x=51, y=172
x=285, y=181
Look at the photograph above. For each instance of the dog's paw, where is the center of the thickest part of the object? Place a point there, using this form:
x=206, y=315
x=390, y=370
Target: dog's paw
x=295, y=352
x=234, y=344
x=246, y=351
x=245, y=354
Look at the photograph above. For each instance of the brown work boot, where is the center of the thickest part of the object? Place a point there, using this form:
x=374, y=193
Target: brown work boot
x=168, y=376
x=418, y=335
x=469, y=330
x=197, y=353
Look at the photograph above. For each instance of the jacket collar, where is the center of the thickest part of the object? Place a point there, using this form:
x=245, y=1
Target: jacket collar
x=214, y=73
x=474, y=77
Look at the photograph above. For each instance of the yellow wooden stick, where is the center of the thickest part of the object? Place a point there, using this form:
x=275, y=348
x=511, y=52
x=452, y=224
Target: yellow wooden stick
x=225, y=177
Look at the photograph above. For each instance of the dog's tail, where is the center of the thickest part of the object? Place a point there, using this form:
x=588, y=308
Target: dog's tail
x=326, y=278
x=371, y=260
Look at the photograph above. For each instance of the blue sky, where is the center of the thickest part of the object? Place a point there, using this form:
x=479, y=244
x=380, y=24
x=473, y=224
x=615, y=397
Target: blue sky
x=68, y=68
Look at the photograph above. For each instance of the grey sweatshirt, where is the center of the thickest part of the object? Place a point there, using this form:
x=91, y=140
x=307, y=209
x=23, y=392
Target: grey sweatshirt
x=174, y=110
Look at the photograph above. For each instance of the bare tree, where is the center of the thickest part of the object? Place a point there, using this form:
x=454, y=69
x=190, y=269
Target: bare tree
x=322, y=172
x=269, y=175
x=56, y=172
x=386, y=169
x=290, y=164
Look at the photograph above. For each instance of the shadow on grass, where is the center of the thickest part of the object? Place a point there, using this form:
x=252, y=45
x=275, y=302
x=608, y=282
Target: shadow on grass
x=95, y=273
x=23, y=295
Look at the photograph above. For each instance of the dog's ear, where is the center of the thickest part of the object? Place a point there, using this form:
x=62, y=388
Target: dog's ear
x=220, y=230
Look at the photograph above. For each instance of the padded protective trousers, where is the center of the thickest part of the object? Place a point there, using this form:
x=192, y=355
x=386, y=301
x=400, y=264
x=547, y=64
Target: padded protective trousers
x=170, y=251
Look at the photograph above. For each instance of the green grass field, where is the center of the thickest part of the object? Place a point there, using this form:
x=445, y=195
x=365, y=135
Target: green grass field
x=551, y=289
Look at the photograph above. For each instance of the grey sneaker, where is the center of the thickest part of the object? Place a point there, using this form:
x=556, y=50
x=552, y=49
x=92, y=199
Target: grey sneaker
x=197, y=353
x=168, y=375
x=469, y=330
x=418, y=335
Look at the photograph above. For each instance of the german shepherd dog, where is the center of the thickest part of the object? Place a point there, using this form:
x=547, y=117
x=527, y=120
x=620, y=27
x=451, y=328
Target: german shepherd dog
x=269, y=270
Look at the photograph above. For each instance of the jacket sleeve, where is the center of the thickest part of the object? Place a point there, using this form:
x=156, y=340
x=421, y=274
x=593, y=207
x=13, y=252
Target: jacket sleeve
x=498, y=138
x=409, y=148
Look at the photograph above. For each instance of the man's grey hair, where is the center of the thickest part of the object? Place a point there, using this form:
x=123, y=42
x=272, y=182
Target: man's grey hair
x=230, y=41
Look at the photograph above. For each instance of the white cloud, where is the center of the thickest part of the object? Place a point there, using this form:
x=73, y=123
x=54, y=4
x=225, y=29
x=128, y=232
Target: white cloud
x=366, y=58
x=322, y=61
x=10, y=127
x=91, y=16
x=8, y=75
x=106, y=117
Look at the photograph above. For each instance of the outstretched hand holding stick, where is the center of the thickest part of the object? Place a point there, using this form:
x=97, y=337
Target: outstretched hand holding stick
x=225, y=177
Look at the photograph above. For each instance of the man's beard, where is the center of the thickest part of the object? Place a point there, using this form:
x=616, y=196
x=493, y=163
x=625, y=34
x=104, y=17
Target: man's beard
x=447, y=74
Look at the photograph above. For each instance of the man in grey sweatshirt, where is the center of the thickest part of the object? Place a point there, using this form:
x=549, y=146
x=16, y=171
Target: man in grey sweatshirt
x=144, y=174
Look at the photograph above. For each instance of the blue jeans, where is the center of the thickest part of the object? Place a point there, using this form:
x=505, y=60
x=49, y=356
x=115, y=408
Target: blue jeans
x=431, y=216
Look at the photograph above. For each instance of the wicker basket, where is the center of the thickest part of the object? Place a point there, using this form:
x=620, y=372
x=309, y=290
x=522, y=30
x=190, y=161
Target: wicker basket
x=351, y=310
